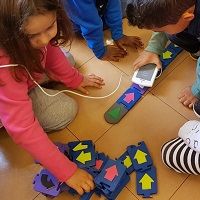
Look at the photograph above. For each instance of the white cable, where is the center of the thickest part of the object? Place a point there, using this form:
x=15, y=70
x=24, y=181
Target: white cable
x=81, y=95
x=62, y=91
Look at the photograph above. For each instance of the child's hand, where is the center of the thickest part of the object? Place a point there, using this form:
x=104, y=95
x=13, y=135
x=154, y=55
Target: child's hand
x=131, y=41
x=90, y=80
x=147, y=57
x=81, y=181
x=187, y=98
x=113, y=53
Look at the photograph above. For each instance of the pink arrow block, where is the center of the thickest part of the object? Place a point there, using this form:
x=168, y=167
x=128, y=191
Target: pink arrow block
x=111, y=172
x=129, y=97
x=98, y=164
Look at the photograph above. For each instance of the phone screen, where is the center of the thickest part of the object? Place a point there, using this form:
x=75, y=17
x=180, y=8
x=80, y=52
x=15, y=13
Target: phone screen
x=146, y=72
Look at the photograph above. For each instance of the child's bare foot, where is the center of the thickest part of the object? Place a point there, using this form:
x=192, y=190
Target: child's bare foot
x=187, y=98
x=81, y=181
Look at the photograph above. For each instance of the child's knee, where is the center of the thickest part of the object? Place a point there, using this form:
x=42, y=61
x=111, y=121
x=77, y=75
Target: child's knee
x=66, y=113
x=169, y=154
x=71, y=110
x=179, y=157
x=164, y=152
x=60, y=115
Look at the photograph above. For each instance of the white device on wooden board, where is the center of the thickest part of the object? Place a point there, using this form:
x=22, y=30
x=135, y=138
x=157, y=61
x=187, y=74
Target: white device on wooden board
x=145, y=75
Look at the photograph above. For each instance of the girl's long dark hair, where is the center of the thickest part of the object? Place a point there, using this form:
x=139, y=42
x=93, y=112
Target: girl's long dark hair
x=14, y=41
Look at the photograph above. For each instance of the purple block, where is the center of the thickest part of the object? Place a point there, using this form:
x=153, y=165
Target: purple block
x=64, y=148
x=46, y=183
x=141, y=89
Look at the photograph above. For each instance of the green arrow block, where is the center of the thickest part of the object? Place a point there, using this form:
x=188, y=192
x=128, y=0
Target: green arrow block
x=114, y=114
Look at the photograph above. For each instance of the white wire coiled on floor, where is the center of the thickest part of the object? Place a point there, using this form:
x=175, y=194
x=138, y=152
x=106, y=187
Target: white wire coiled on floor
x=62, y=91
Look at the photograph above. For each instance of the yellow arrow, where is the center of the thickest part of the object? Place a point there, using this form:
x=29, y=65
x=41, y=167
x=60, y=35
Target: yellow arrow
x=140, y=156
x=146, y=181
x=167, y=54
x=127, y=162
x=84, y=157
x=80, y=146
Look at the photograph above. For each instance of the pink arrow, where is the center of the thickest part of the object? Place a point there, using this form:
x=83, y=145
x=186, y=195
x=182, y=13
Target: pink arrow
x=129, y=97
x=98, y=164
x=111, y=172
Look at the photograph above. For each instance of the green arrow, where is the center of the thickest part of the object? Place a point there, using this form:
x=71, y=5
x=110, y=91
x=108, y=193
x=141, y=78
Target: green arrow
x=84, y=157
x=146, y=181
x=140, y=156
x=80, y=146
x=167, y=54
x=127, y=162
x=115, y=113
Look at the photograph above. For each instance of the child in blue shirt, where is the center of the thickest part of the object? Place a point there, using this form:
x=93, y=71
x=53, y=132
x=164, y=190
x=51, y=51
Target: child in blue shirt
x=89, y=18
x=182, y=28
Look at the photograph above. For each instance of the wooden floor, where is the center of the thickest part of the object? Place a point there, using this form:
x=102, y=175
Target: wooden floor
x=155, y=119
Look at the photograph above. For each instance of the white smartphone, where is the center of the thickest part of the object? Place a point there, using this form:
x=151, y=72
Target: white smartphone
x=145, y=75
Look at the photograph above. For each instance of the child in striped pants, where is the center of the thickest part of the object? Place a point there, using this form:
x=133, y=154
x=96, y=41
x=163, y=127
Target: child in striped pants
x=182, y=154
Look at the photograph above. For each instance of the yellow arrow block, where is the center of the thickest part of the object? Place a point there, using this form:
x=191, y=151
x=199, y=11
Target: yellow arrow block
x=140, y=156
x=127, y=162
x=146, y=181
x=80, y=147
x=167, y=54
x=84, y=157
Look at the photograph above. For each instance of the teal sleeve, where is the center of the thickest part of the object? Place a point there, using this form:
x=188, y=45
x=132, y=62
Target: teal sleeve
x=196, y=85
x=157, y=43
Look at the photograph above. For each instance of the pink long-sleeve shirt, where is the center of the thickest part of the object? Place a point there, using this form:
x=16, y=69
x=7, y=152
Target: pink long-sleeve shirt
x=17, y=116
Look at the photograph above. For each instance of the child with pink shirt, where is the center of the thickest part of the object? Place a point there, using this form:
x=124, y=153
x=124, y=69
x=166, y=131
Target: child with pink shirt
x=30, y=35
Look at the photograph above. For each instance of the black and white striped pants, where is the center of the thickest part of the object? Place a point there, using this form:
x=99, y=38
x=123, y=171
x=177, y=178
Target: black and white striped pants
x=181, y=158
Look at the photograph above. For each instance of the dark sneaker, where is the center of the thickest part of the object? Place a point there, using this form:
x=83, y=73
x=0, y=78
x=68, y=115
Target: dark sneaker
x=196, y=108
x=194, y=56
